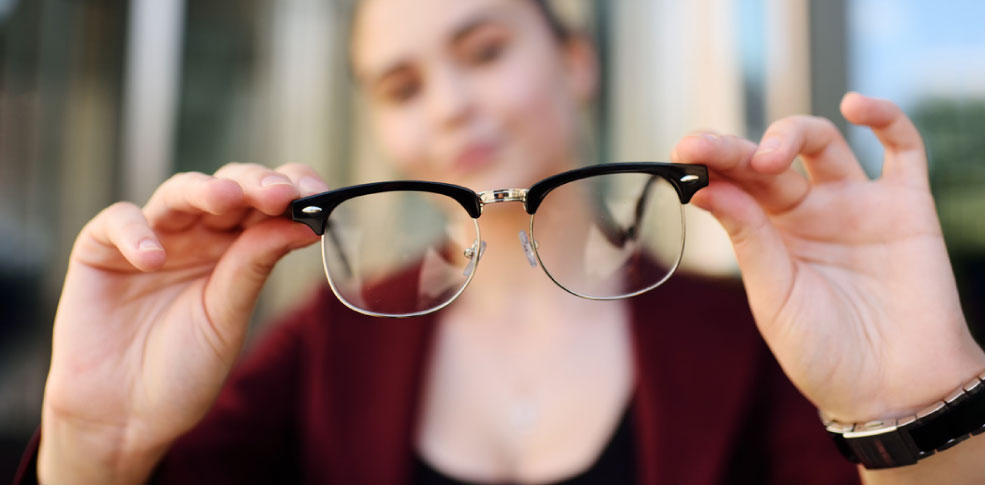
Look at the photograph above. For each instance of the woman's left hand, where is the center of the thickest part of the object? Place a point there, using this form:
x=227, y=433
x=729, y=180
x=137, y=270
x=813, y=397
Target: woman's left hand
x=848, y=278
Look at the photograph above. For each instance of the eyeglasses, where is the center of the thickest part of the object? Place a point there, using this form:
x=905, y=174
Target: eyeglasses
x=408, y=248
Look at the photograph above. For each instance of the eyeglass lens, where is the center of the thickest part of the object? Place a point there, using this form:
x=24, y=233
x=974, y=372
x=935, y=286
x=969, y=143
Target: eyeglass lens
x=399, y=253
x=610, y=236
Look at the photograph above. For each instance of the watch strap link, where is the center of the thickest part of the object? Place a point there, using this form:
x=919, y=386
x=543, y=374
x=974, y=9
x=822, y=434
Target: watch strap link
x=904, y=441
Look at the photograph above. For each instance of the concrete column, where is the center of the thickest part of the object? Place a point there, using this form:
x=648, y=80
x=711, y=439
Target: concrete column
x=675, y=69
x=305, y=81
x=150, y=95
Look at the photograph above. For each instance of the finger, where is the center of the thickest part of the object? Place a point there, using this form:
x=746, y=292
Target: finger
x=119, y=238
x=305, y=178
x=184, y=197
x=728, y=157
x=906, y=160
x=227, y=221
x=307, y=181
x=826, y=154
x=253, y=218
x=265, y=190
x=239, y=275
x=765, y=263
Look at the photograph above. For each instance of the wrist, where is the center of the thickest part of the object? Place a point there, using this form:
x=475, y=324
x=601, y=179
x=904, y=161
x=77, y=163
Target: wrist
x=906, y=392
x=75, y=451
x=892, y=442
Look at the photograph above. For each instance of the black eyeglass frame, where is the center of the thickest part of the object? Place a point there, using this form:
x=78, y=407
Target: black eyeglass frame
x=313, y=211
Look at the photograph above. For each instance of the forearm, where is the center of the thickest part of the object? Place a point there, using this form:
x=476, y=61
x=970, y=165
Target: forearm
x=960, y=464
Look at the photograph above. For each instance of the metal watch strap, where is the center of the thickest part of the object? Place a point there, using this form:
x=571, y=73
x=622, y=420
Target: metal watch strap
x=898, y=442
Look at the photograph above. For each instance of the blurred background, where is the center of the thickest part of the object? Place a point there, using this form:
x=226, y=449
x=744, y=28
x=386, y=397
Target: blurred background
x=101, y=100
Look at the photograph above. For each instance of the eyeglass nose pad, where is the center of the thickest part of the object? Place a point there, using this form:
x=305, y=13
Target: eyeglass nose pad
x=528, y=249
x=470, y=253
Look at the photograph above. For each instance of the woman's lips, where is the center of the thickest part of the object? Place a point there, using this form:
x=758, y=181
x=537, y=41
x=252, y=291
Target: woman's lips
x=474, y=157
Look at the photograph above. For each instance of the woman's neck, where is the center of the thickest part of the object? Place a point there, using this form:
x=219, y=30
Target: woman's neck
x=505, y=281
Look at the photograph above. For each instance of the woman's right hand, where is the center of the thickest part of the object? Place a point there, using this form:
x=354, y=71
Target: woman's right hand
x=153, y=313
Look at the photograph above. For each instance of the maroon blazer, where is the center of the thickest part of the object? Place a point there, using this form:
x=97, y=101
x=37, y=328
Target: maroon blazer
x=331, y=396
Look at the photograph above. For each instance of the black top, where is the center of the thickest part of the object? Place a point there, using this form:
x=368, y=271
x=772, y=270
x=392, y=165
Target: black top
x=616, y=464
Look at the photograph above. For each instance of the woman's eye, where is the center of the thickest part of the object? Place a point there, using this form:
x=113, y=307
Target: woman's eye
x=400, y=91
x=486, y=52
x=484, y=47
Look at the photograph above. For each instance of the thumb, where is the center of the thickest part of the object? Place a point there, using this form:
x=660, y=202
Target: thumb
x=238, y=277
x=765, y=263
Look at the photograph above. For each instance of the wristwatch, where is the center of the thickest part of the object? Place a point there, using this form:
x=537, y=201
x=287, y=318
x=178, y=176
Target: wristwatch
x=898, y=442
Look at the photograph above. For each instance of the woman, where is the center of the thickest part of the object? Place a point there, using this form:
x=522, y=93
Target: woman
x=847, y=278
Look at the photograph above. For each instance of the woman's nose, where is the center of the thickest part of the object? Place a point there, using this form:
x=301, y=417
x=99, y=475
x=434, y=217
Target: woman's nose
x=450, y=100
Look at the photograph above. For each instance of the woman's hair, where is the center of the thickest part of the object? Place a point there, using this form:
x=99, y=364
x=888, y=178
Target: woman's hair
x=560, y=31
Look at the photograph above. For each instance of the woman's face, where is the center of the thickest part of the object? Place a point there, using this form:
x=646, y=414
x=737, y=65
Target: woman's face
x=475, y=92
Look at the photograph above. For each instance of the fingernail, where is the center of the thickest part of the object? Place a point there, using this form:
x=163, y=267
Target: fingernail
x=274, y=180
x=768, y=145
x=148, y=245
x=311, y=185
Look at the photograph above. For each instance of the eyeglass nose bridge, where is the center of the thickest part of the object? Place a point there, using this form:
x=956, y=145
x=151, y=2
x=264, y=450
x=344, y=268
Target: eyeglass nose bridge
x=503, y=195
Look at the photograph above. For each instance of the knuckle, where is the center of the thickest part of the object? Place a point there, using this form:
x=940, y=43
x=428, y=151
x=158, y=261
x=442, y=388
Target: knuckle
x=742, y=143
x=250, y=167
x=174, y=179
x=261, y=268
x=182, y=178
x=119, y=209
x=177, y=177
x=237, y=170
x=132, y=225
x=703, y=136
x=254, y=172
x=228, y=167
x=825, y=124
x=119, y=216
x=787, y=124
x=891, y=107
x=294, y=167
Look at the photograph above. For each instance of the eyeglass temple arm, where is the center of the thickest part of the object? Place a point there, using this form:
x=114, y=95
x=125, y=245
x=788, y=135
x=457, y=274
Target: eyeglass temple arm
x=685, y=193
x=633, y=231
x=330, y=232
x=618, y=236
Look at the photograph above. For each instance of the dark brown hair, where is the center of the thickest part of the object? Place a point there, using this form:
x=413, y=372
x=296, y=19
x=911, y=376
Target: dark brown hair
x=560, y=31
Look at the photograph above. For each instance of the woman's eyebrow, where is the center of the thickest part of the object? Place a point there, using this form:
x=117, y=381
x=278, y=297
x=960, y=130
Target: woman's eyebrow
x=503, y=15
x=462, y=31
x=473, y=24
